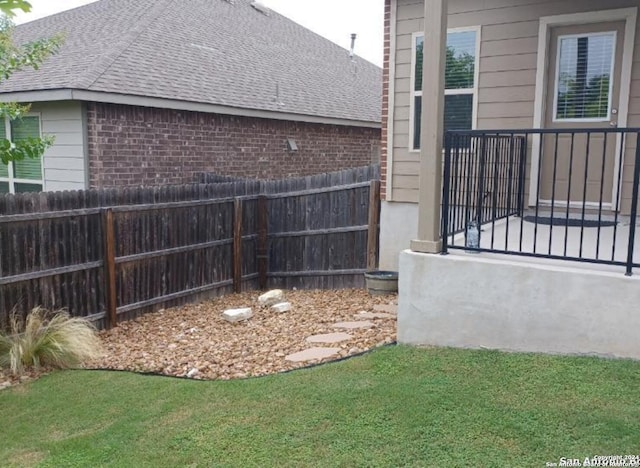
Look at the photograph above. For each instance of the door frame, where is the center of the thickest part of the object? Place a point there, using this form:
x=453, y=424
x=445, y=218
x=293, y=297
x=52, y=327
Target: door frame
x=630, y=16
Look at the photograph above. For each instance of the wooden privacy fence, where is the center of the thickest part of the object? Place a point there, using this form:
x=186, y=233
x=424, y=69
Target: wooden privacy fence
x=116, y=254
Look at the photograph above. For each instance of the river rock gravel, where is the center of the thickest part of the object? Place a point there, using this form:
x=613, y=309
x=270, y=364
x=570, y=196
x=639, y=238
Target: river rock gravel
x=195, y=341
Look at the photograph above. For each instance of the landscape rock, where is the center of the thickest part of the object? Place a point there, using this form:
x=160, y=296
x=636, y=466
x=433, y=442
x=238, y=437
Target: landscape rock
x=275, y=296
x=237, y=315
x=221, y=351
x=281, y=307
x=192, y=373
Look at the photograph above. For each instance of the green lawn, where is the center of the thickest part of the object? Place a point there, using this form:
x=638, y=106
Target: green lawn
x=397, y=406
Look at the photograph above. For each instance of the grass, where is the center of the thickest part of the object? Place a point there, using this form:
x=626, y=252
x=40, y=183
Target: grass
x=397, y=406
x=52, y=339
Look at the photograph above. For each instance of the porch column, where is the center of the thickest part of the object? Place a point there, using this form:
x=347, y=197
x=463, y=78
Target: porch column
x=433, y=83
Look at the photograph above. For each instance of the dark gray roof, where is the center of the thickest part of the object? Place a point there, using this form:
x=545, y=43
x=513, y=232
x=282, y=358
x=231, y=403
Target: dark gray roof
x=204, y=51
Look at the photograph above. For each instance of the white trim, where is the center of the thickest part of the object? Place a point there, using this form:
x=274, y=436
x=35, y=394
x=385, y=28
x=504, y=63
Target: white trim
x=12, y=180
x=629, y=15
x=143, y=101
x=612, y=71
x=448, y=92
x=391, y=98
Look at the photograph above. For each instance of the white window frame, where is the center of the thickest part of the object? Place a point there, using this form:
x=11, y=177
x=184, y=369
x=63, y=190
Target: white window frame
x=448, y=92
x=555, y=118
x=11, y=180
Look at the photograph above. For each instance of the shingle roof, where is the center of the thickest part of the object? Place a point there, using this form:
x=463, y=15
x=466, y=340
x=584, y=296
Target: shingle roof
x=206, y=51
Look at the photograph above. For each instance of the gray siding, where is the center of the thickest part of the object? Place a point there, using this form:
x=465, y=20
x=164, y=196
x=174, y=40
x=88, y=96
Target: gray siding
x=64, y=162
x=508, y=60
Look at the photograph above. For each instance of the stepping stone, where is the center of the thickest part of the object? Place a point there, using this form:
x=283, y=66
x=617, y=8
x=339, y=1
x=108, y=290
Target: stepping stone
x=374, y=316
x=386, y=308
x=353, y=325
x=329, y=338
x=312, y=354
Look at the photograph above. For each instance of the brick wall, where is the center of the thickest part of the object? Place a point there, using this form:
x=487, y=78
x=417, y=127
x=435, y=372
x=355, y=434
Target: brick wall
x=385, y=100
x=131, y=145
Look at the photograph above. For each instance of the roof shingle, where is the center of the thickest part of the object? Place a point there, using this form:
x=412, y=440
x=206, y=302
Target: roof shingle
x=205, y=51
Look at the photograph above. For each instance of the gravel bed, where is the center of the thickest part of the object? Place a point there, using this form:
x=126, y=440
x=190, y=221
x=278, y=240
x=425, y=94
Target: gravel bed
x=194, y=340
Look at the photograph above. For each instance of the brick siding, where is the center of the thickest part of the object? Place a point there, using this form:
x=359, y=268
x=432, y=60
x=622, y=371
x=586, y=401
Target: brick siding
x=131, y=145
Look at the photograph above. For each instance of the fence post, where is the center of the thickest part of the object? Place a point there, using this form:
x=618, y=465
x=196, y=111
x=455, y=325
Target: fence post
x=237, y=245
x=263, y=225
x=374, y=221
x=634, y=209
x=110, y=268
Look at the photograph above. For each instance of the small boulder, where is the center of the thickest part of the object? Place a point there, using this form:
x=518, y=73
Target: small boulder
x=237, y=315
x=281, y=307
x=275, y=296
x=192, y=373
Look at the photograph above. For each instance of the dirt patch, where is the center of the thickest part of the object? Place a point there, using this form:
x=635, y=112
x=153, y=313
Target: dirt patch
x=177, y=341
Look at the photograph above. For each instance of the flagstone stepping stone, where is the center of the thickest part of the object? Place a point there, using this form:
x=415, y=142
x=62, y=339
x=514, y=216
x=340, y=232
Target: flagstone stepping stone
x=374, y=316
x=353, y=325
x=329, y=338
x=312, y=354
x=386, y=308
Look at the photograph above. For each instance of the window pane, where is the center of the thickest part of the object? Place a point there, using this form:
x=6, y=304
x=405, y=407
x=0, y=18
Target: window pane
x=4, y=170
x=21, y=188
x=417, y=121
x=4, y=187
x=584, y=76
x=458, y=112
x=461, y=60
x=27, y=127
x=419, y=57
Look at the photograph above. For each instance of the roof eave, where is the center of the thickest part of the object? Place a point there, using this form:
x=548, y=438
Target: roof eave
x=146, y=101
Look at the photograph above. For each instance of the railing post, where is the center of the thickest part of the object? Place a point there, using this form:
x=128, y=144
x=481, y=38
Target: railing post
x=446, y=192
x=522, y=173
x=634, y=209
x=237, y=245
x=110, y=268
x=374, y=221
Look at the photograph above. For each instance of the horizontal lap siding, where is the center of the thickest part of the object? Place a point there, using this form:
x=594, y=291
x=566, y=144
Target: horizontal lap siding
x=64, y=163
x=508, y=60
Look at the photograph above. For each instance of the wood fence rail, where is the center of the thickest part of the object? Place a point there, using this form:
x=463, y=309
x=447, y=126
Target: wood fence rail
x=114, y=255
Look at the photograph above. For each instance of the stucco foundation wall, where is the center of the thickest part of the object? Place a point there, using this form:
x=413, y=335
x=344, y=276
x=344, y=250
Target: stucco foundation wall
x=130, y=145
x=398, y=227
x=467, y=301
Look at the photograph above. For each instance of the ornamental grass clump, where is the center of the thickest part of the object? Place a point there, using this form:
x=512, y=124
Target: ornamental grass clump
x=45, y=339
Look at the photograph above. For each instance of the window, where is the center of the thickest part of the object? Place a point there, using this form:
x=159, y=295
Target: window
x=583, y=81
x=25, y=175
x=460, y=83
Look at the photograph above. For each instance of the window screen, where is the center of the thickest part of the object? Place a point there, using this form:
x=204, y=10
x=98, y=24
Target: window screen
x=27, y=127
x=584, y=76
x=460, y=75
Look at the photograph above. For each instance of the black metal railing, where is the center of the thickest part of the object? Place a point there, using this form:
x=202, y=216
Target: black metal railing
x=566, y=194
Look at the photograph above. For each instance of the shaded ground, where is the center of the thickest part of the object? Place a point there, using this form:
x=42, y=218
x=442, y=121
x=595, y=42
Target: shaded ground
x=195, y=340
x=396, y=406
